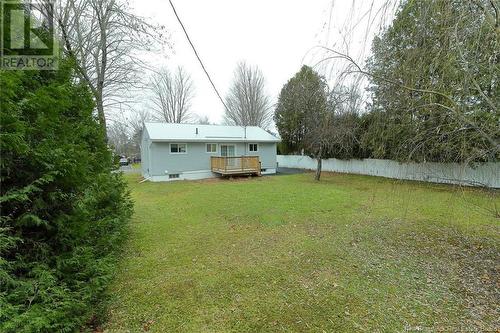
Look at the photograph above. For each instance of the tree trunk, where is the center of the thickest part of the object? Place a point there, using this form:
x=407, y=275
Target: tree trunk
x=318, y=169
x=102, y=117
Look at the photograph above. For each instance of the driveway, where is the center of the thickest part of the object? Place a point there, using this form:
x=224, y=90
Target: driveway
x=290, y=171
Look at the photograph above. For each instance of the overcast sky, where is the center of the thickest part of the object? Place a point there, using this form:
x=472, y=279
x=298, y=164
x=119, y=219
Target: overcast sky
x=278, y=36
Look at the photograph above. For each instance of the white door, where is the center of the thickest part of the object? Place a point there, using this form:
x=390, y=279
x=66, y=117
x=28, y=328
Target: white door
x=228, y=151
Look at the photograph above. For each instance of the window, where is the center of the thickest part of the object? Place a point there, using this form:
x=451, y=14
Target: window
x=173, y=175
x=178, y=148
x=253, y=147
x=211, y=147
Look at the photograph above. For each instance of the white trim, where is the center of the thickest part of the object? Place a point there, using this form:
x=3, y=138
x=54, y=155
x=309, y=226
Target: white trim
x=177, y=143
x=214, y=140
x=253, y=151
x=212, y=152
x=206, y=133
x=197, y=175
x=150, y=144
x=196, y=171
x=187, y=175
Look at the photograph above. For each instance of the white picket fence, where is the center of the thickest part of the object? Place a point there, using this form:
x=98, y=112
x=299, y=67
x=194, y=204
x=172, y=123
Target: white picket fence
x=486, y=174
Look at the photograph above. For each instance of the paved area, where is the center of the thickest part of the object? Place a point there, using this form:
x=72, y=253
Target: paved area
x=289, y=171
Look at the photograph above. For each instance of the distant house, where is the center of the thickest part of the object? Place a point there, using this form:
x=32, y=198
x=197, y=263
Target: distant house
x=187, y=151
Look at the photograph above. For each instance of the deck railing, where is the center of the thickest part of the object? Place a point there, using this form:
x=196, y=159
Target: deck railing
x=227, y=165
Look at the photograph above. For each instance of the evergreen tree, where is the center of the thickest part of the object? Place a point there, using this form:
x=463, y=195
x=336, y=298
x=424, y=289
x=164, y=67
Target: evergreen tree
x=301, y=105
x=434, y=79
x=63, y=210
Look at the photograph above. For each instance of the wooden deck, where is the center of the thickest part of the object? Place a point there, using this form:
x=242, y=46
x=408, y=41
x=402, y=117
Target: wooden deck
x=235, y=165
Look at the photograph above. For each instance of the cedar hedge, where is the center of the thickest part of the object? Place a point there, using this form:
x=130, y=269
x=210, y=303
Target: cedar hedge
x=64, y=211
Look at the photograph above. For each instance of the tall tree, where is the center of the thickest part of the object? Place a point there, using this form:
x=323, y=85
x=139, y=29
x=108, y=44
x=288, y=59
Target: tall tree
x=301, y=115
x=446, y=47
x=302, y=95
x=104, y=38
x=247, y=102
x=434, y=83
x=172, y=95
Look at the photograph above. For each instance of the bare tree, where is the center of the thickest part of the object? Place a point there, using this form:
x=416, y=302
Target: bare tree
x=317, y=140
x=125, y=132
x=118, y=133
x=247, y=102
x=172, y=95
x=103, y=37
x=203, y=120
x=137, y=119
x=136, y=125
x=334, y=132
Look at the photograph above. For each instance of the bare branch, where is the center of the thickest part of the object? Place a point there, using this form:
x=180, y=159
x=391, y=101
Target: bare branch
x=247, y=102
x=172, y=95
x=102, y=36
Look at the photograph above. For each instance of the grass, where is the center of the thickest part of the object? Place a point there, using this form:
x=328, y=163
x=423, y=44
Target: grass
x=288, y=254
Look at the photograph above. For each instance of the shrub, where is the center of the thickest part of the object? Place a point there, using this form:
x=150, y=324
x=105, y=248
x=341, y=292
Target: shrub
x=63, y=210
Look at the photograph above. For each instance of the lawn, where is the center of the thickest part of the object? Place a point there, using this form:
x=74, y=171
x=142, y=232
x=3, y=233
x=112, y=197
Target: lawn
x=288, y=254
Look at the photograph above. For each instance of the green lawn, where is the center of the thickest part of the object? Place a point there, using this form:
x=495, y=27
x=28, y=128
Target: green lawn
x=288, y=254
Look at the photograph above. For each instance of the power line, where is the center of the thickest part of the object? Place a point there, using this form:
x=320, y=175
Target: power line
x=197, y=56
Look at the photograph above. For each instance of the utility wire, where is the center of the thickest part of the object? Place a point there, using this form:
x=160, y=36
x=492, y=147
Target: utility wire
x=197, y=56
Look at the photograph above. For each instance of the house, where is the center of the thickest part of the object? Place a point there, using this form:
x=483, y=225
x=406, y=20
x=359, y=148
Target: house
x=189, y=151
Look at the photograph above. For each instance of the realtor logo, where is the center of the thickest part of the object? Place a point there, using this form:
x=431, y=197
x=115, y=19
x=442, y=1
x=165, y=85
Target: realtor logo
x=27, y=35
